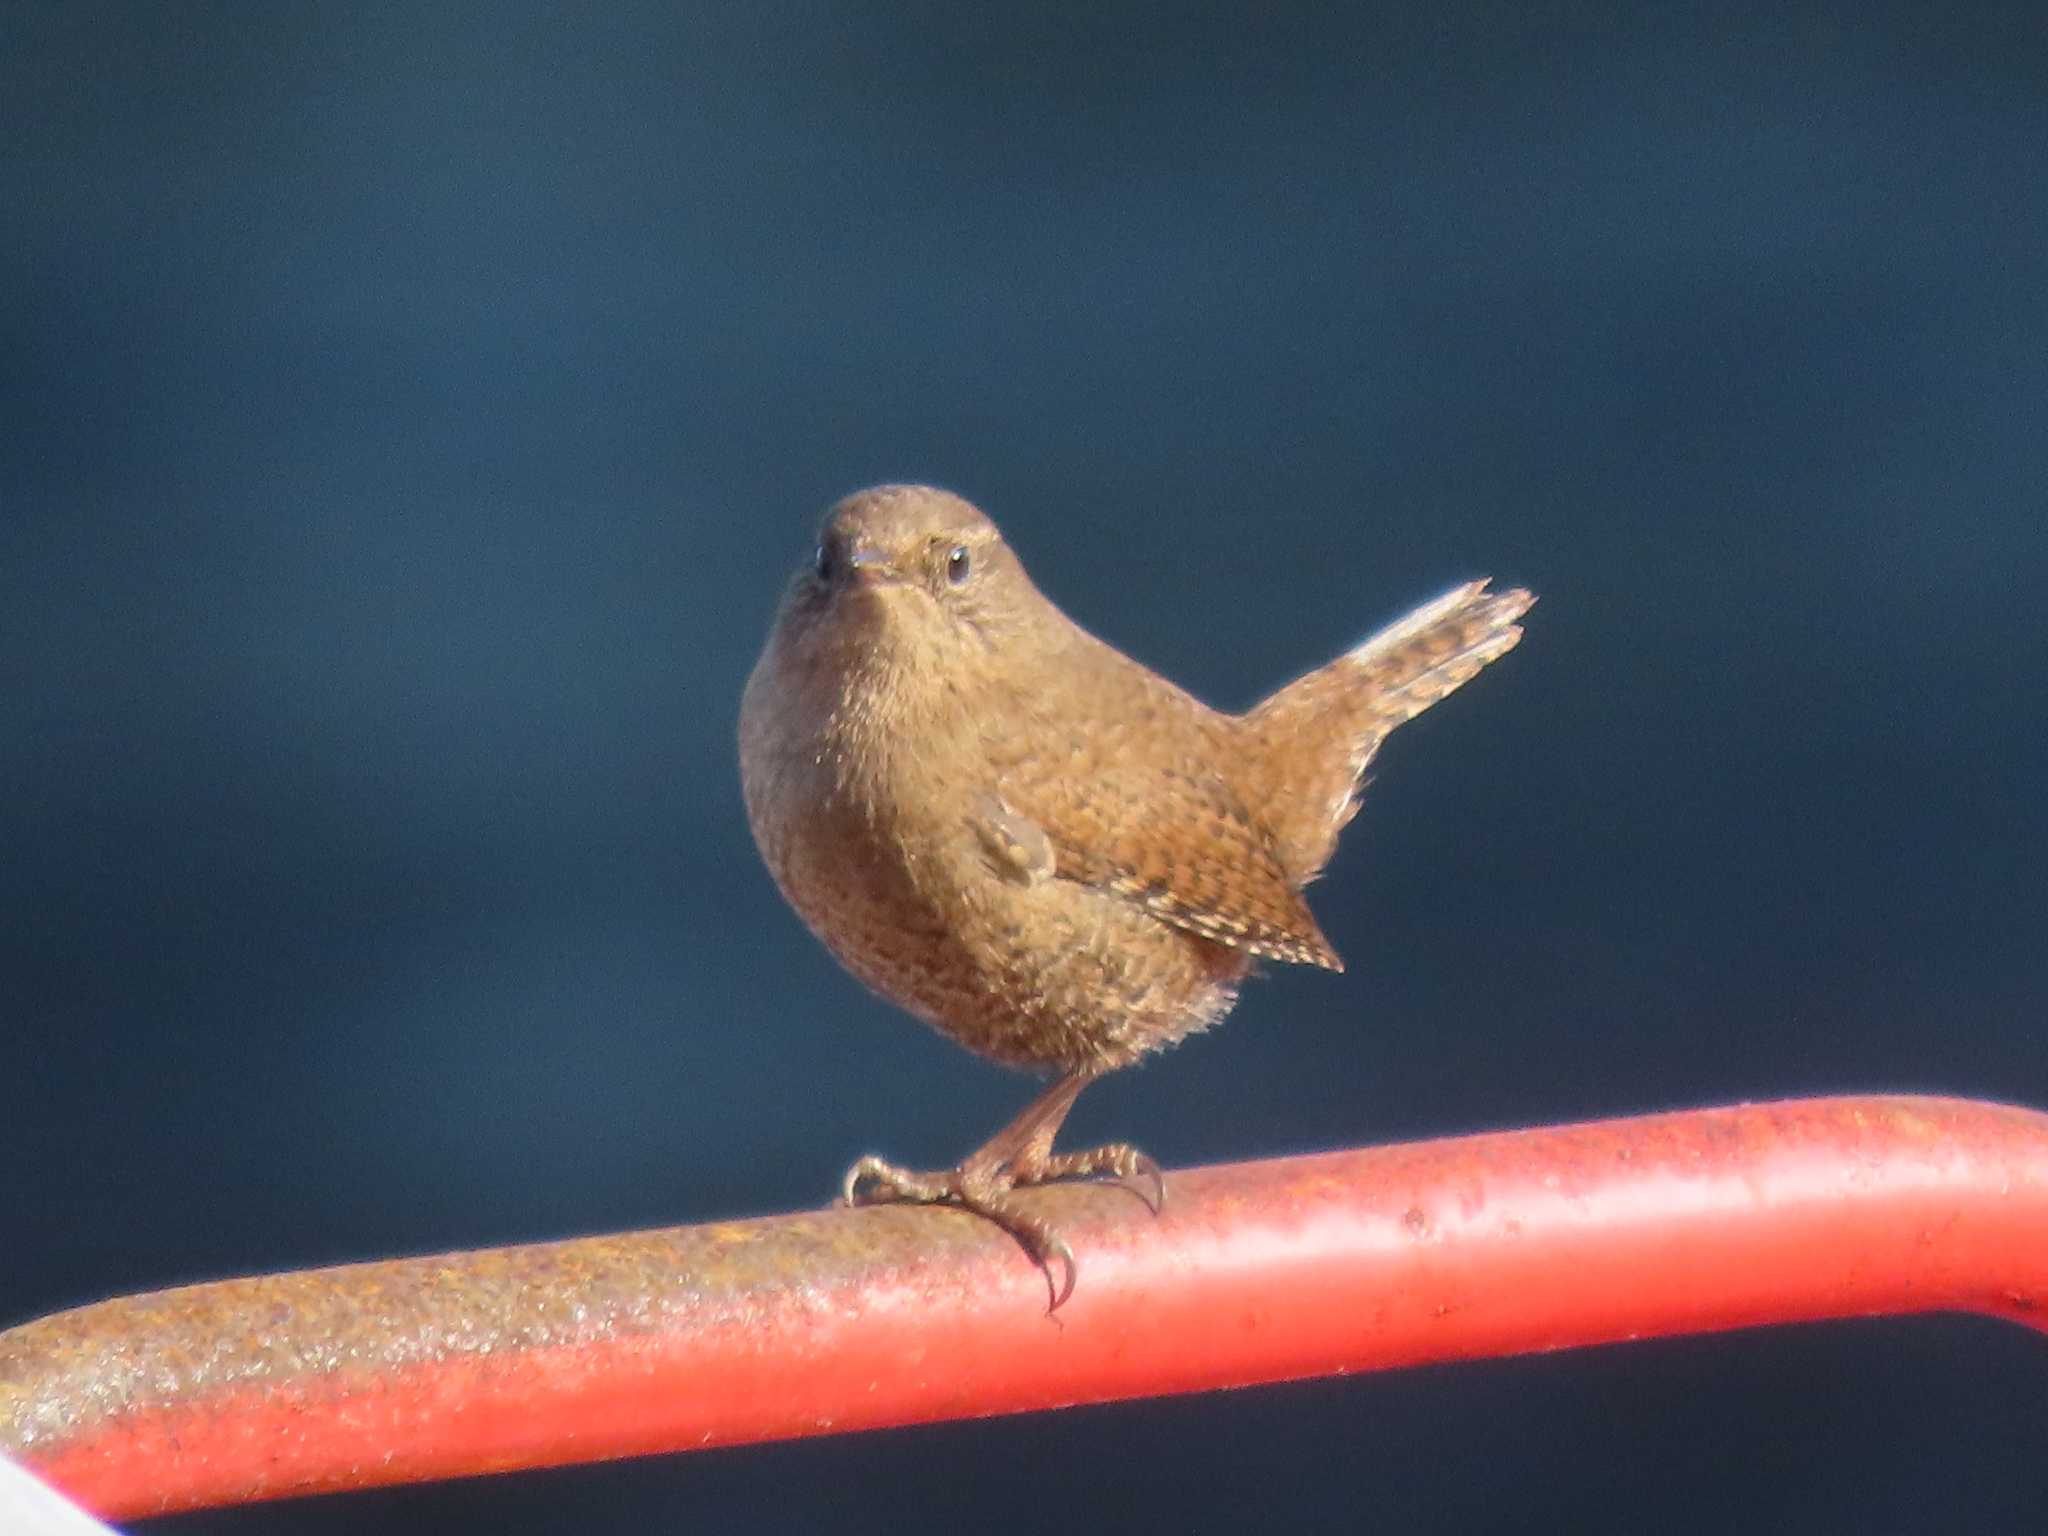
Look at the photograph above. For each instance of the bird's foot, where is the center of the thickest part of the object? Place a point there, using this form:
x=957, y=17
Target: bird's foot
x=988, y=1193
x=1019, y=1154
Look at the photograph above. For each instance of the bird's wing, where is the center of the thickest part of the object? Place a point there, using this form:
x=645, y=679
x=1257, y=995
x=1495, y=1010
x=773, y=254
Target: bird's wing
x=1177, y=841
x=1013, y=846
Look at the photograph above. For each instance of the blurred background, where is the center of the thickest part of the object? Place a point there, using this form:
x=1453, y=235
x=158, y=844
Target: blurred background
x=408, y=416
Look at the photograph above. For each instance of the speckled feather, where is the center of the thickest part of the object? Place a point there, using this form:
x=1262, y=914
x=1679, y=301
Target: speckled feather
x=1309, y=744
x=1026, y=838
x=1140, y=803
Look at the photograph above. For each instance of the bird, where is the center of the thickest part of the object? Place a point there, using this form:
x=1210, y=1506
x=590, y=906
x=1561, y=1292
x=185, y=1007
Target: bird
x=1036, y=844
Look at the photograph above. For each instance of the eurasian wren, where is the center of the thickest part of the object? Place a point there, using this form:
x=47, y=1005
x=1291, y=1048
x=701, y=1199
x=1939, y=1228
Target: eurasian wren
x=1034, y=843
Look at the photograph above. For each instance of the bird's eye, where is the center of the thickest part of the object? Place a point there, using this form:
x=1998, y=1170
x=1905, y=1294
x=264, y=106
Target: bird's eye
x=958, y=564
x=826, y=561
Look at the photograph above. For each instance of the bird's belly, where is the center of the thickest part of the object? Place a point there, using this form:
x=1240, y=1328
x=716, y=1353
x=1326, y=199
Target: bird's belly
x=1051, y=975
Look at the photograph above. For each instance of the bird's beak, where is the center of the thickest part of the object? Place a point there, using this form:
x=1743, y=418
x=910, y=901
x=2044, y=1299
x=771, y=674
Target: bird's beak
x=870, y=565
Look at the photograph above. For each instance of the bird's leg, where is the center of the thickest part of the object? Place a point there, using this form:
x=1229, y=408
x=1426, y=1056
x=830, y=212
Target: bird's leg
x=1025, y=1144
x=1020, y=1153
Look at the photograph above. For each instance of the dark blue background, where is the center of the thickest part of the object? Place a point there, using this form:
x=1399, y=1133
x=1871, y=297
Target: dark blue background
x=408, y=415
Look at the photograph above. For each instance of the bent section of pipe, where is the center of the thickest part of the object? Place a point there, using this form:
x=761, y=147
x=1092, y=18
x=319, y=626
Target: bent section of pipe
x=416, y=1369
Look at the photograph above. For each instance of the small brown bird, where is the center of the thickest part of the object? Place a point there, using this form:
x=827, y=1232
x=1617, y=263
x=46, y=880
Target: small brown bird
x=1034, y=843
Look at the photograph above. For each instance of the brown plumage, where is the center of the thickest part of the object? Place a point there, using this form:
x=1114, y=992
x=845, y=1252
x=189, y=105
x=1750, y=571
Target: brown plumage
x=1034, y=843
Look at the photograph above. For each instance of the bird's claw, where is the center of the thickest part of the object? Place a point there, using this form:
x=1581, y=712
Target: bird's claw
x=1052, y=1246
x=1144, y=1168
x=1119, y=1160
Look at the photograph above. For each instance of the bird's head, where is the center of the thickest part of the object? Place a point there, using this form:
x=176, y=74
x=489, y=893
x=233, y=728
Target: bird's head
x=909, y=577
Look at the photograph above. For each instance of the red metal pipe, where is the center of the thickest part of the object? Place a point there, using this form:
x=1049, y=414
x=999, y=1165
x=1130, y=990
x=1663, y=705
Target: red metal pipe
x=416, y=1369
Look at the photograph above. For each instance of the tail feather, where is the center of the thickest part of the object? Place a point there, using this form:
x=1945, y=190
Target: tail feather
x=1312, y=740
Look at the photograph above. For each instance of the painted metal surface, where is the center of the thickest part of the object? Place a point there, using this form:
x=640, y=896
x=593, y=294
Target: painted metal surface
x=415, y=1369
